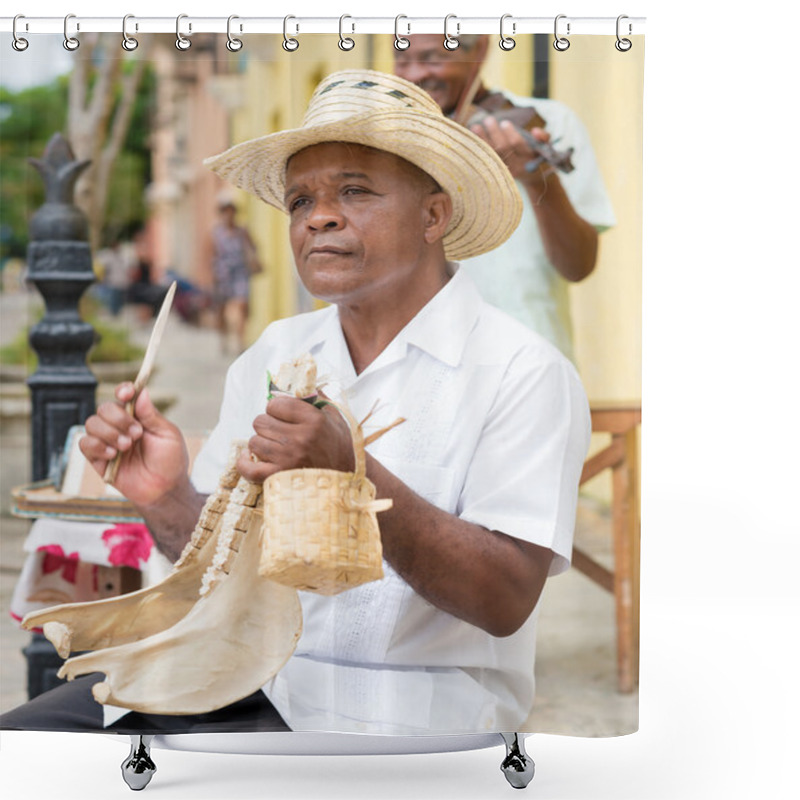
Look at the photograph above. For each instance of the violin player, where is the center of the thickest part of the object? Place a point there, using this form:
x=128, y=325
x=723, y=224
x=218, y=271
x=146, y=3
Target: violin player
x=564, y=209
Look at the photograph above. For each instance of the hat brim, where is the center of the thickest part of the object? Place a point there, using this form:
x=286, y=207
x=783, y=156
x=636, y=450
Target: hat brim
x=486, y=203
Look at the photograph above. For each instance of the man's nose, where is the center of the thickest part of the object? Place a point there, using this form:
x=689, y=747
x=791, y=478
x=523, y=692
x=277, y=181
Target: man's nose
x=326, y=215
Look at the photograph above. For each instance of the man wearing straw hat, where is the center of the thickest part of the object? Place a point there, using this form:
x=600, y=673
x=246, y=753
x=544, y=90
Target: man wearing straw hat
x=383, y=195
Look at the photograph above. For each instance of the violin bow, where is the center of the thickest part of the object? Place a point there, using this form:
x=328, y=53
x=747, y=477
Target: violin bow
x=461, y=112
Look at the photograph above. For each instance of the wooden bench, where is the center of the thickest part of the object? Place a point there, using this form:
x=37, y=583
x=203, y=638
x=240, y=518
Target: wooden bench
x=621, y=456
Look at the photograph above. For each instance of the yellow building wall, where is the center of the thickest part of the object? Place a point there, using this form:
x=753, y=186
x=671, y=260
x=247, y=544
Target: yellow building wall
x=604, y=87
x=510, y=69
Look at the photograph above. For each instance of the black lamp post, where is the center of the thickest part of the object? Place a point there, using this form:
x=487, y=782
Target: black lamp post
x=63, y=387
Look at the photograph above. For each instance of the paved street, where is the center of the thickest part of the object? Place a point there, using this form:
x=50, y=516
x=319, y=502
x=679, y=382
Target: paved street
x=576, y=669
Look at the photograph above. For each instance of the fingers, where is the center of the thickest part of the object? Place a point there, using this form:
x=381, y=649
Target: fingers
x=112, y=429
x=254, y=470
x=291, y=409
x=286, y=432
x=510, y=143
x=269, y=447
x=503, y=137
x=504, y=134
x=541, y=134
x=293, y=434
x=124, y=392
x=108, y=432
x=284, y=436
x=147, y=414
x=113, y=426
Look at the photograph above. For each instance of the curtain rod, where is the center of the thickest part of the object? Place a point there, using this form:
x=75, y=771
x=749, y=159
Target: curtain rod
x=187, y=24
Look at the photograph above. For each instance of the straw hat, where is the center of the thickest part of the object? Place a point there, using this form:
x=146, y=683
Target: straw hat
x=389, y=113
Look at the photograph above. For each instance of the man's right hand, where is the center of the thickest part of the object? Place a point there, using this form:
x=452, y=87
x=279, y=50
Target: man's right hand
x=154, y=456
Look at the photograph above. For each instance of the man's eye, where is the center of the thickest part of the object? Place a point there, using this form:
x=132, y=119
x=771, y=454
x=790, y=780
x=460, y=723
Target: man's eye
x=296, y=203
x=355, y=190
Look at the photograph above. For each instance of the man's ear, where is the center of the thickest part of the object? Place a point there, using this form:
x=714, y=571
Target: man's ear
x=437, y=208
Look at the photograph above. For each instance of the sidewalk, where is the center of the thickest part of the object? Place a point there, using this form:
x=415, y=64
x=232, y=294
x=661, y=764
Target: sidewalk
x=576, y=651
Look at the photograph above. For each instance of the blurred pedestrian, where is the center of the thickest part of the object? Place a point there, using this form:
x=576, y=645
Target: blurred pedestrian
x=233, y=260
x=144, y=292
x=118, y=263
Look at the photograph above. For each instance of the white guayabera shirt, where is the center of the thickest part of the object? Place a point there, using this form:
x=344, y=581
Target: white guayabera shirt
x=497, y=428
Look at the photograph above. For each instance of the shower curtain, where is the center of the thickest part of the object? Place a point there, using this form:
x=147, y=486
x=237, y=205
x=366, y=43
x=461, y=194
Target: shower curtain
x=152, y=209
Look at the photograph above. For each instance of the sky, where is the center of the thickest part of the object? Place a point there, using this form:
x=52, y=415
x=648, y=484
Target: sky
x=37, y=65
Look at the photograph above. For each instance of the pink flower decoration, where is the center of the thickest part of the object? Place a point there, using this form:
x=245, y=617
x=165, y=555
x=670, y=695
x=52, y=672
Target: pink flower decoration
x=55, y=560
x=129, y=545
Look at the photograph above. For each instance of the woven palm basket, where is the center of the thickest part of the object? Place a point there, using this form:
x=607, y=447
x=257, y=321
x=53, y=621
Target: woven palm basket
x=320, y=530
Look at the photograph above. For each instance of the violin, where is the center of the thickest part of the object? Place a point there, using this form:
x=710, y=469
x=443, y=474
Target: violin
x=524, y=118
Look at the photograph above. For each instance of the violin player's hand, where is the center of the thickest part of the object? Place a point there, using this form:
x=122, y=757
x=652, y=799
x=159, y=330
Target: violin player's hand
x=516, y=151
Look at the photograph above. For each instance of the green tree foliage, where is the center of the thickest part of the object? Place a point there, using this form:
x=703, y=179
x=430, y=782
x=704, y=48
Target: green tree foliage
x=28, y=118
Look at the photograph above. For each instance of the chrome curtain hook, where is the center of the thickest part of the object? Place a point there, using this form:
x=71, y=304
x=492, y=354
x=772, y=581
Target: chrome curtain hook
x=18, y=43
x=451, y=42
x=506, y=42
x=561, y=43
x=129, y=43
x=345, y=42
x=70, y=42
x=233, y=44
x=181, y=42
x=400, y=42
x=623, y=45
x=290, y=44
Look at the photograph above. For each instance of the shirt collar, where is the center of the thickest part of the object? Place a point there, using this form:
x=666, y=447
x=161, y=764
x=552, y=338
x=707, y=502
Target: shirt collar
x=440, y=328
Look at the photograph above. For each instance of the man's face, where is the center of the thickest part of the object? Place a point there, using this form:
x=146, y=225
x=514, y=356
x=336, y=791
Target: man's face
x=442, y=73
x=356, y=221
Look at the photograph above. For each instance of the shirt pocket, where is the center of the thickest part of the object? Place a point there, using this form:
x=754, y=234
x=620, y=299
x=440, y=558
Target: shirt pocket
x=433, y=483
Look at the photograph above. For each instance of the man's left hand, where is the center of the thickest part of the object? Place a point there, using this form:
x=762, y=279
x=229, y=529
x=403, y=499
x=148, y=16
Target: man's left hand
x=515, y=150
x=293, y=434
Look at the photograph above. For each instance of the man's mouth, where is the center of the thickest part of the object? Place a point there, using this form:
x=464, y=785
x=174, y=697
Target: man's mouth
x=327, y=250
x=431, y=86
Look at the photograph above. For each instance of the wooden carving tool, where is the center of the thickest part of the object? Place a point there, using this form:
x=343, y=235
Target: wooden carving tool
x=144, y=371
